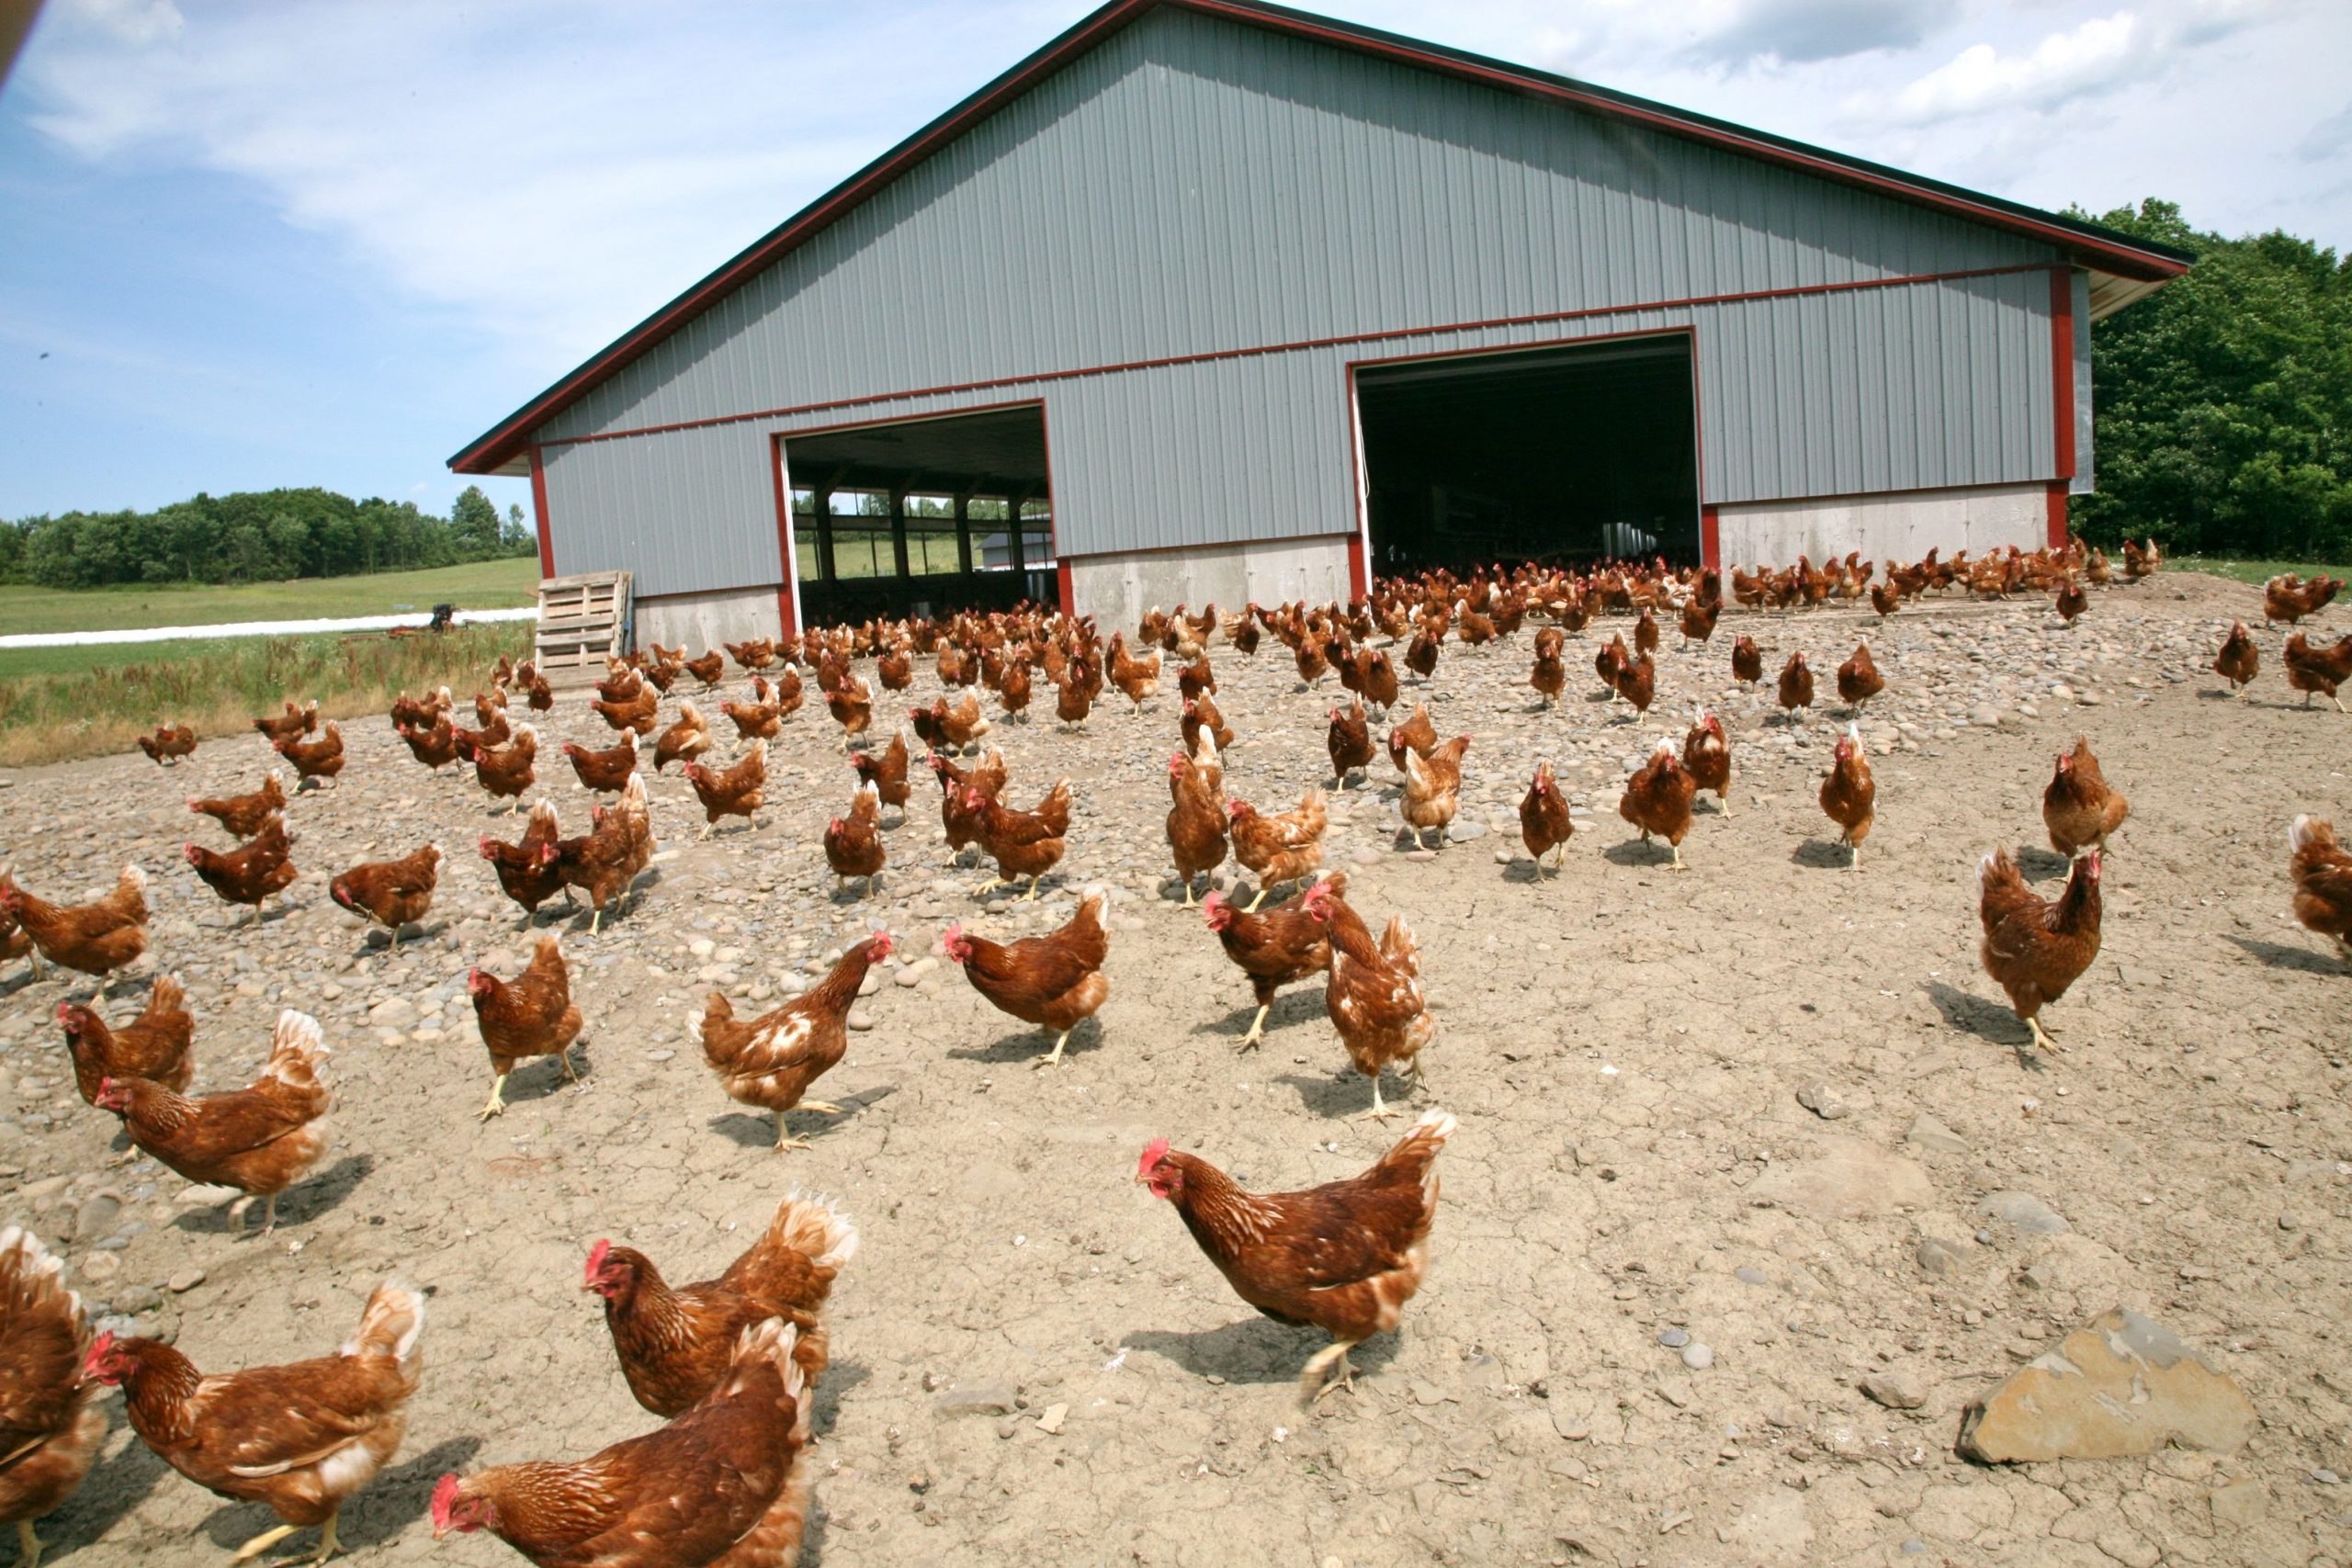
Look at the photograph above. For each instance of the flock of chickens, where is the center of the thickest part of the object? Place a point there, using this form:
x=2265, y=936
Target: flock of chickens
x=730, y=1364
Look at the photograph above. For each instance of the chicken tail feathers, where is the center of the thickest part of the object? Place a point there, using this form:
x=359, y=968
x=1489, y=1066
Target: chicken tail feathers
x=2307, y=830
x=815, y=1228
x=297, y=1051
x=1418, y=1150
x=390, y=1323
x=32, y=1281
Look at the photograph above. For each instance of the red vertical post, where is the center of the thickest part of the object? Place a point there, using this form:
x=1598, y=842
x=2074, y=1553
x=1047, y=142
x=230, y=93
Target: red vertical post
x=785, y=619
x=539, y=512
x=1061, y=576
x=2061, y=398
x=1358, y=580
x=1710, y=539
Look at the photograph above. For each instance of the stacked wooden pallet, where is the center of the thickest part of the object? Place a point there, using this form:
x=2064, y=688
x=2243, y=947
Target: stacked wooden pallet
x=584, y=620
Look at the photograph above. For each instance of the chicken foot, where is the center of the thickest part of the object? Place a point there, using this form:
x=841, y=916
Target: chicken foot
x=1379, y=1112
x=1257, y=1030
x=496, y=1104
x=27, y=1545
x=1327, y=1371
x=1054, y=1058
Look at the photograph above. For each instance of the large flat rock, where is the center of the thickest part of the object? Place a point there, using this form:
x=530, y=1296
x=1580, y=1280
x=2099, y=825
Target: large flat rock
x=2122, y=1384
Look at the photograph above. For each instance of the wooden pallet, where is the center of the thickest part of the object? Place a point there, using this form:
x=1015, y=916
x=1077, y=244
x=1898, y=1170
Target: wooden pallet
x=584, y=620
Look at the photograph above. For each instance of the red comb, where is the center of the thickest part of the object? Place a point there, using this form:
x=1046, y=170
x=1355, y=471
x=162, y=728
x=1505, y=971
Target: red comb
x=1153, y=1152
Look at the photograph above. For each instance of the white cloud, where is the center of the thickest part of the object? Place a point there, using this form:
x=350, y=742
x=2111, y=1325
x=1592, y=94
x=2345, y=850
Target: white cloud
x=2095, y=57
x=134, y=22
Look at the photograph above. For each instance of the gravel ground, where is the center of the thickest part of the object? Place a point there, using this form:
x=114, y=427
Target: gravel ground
x=1733, y=1144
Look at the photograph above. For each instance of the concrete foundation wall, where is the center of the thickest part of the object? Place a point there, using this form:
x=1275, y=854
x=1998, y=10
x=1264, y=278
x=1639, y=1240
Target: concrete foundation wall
x=1900, y=526
x=697, y=622
x=1118, y=590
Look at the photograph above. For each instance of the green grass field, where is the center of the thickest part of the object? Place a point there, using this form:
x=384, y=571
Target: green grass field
x=2255, y=571
x=483, y=585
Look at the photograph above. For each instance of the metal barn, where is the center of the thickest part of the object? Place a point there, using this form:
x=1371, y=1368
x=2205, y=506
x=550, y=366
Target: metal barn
x=1214, y=301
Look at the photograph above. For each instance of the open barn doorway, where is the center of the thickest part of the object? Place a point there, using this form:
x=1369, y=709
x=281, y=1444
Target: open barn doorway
x=922, y=517
x=1560, y=454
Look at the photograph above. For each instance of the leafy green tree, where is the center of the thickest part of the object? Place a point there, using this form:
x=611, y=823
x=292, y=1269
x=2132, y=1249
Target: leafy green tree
x=473, y=520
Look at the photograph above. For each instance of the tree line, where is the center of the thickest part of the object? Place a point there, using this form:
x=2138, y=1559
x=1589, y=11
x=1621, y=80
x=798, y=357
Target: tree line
x=253, y=536
x=2224, y=400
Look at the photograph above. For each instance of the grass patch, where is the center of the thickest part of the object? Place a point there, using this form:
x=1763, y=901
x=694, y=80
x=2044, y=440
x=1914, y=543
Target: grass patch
x=56, y=718
x=2255, y=571
x=479, y=585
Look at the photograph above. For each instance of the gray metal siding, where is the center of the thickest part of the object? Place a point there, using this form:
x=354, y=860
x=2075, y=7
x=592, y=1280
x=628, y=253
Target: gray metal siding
x=1196, y=186
x=685, y=511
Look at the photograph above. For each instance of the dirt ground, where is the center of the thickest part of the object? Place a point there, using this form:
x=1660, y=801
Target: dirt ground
x=1624, y=1046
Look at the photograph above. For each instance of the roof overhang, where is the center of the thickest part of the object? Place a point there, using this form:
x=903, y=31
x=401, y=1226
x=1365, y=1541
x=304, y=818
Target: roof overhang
x=2122, y=267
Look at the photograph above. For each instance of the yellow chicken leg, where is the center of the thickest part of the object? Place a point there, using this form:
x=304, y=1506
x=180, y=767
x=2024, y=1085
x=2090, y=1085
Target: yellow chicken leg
x=563, y=1059
x=1379, y=1111
x=328, y=1545
x=496, y=1104
x=1054, y=1058
x=1263, y=888
x=27, y=1545
x=262, y=1543
x=784, y=1140
x=1031, y=896
x=1677, y=863
x=1257, y=1030
x=1327, y=1371
x=1188, y=902
x=820, y=1107
x=2042, y=1037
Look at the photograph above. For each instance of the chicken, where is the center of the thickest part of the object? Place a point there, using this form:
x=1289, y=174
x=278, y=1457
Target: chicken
x=1706, y=756
x=2033, y=948
x=1848, y=794
x=1373, y=996
x=97, y=937
x=605, y=861
x=1543, y=823
x=1055, y=981
x=1611, y=661
x=853, y=843
x=1421, y=656
x=608, y=771
x=1747, y=661
x=433, y=744
x=2071, y=602
x=531, y=1015
x=1349, y=743
x=2078, y=807
x=1699, y=616
x=2323, y=876
x=954, y=728
x=50, y=1424
x=392, y=893
x=1200, y=715
x=1022, y=843
x=250, y=873
x=738, y=790
x=2239, y=661
x=754, y=654
x=2317, y=671
x=1138, y=678
x=1284, y=847
x=153, y=1047
x=674, y=1342
x=1012, y=692
x=1344, y=1258
x=1434, y=788
x=772, y=1061
x=1196, y=834
x=1796, y=687
x=1284, y=944
x=1637, y=682
x=320, y=759
x=726, y=1483
x=1550, y=675
x=887, y=773
x=636, y=713
x=1313, y=661
x=493, y=733
x=1886, y=598
x=302, y=1438
x=1657, y=799
x=710, y=669
x=243, y=815
x=168, y=744
x=507, y=772
x=542, y=695
x=292, y=723
x=1859, y=679
x=1419, y=733
x=962, y=824
x=2289, y=598
x=852, y=706
x=527, y=871
x=259, y=1140
x=758, y=719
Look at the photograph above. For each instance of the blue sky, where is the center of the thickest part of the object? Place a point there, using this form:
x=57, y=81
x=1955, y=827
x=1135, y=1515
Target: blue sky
x=251, y=243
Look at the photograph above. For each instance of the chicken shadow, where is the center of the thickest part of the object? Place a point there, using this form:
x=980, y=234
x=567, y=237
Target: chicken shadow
x=1028, y=1043
x=2278, y=955
x=1290, y=1008
x=1344, y=1094
x=310, y=1199
x=113, y=1489
x=1635, y=853
x=839, y=1379
x=2037, y=865
x=386, y=1507
x=1972, y=1014
x=545, y=1078
x=756, y=1130
x=1255, y=1349
x=1821, y=854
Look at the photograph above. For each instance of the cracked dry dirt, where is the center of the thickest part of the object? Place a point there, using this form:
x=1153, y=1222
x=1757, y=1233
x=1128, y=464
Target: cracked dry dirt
x=1624, y=1047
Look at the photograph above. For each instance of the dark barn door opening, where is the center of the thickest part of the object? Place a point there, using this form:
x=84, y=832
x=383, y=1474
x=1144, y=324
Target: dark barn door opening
x=922, y=517
x=1557, y=455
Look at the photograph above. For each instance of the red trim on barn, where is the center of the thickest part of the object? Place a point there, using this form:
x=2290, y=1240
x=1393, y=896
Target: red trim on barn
x=2062, y=367
x=2114, y=253
x=2054, y=514
x=1061, y=584
x=1710, y=539
x=1358, y=580
x=539, y=513
x=789, y=622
